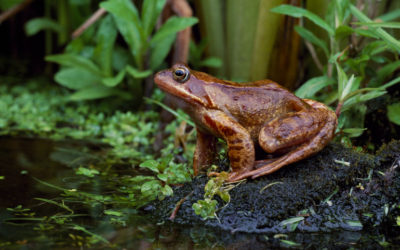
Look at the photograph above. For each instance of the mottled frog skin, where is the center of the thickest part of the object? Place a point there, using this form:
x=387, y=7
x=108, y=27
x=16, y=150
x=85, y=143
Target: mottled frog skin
x=248, y=116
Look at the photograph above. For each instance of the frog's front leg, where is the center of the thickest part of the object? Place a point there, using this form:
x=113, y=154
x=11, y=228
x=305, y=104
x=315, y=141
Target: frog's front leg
x=240, y=145
x=205, y=151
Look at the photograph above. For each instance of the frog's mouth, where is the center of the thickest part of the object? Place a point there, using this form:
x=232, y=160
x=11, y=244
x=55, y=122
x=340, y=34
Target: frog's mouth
x=165, y=82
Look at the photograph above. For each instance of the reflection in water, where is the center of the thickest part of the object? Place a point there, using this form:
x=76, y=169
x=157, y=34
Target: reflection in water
x=23, y=159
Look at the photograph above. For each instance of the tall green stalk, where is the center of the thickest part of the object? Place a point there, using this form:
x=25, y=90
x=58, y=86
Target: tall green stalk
x=241, y=30
x=212, y=15
x=63, y=20
x=265, y=36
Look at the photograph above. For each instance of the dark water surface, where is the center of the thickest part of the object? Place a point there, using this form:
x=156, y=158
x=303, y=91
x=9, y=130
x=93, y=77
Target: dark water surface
x=23, y=159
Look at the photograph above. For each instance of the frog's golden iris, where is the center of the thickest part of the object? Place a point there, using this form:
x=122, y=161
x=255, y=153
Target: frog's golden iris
x=181, y=74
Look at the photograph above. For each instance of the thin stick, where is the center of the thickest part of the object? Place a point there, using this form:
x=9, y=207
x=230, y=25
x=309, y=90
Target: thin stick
x=178, y=205
x=96, y=16
x=14, y=10
x=314, y=55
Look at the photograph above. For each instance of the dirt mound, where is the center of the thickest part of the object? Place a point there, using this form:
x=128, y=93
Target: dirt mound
x=336, y=189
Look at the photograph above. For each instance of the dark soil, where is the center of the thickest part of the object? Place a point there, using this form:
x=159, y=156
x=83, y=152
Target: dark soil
x=363, y=196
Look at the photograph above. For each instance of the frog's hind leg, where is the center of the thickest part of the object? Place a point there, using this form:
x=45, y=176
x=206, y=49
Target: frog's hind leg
x=306, y=132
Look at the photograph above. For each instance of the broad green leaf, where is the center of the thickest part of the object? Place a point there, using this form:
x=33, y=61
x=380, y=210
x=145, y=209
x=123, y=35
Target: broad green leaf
x=128, y=23
x=151, y=186
x=33, y=26
x=393, y=25
x=91, y=93
x=77, y=61
x=6, y=4
x=160, y=51
x=354, y=132
x=172, y=26
x=312, y=86
x=76, y=78
x=114, y=81
x=106, y=36
x=393, y=42
x=343, y=31
x=212, y=62
x=300, y=12
x=135, y=73
x=150, y=11
x=309, y=36
x=151, y=165
x=167, y=190
x=393, y=113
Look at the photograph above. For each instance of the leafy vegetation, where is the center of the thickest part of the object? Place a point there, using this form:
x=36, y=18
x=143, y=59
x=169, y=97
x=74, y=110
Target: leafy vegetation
x=94, y=65
x=349, y=76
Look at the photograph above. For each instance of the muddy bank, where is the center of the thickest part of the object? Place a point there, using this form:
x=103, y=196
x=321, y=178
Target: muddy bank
x=337, y=189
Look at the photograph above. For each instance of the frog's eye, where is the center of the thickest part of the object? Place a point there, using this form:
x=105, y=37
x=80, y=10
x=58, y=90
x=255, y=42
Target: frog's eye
x=181, y=74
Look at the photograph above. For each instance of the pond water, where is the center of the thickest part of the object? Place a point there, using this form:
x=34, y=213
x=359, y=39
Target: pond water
x=25, y=162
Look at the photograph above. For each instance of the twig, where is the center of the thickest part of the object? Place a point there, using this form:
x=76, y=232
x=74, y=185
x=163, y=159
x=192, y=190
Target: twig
x=14, y=10
x=178, y=205
x=89, y=22
x=338, y=109
x=314, y=56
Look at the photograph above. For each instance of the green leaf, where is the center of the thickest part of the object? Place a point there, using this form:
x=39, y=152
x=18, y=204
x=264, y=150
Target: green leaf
x=393, y=25
x=343, y=31
x=77, y=61
x=114, y=81
x=309, y=36
x=76, y=78
x=128, y=23
x=167, y=190
x=290, y=243
x=391, y=83
x=395, y=14
x=393, y=42
x=35, y=25
x=354, y=223
x=94, y=92
x=354, y=132
x=150, y=164
x=393, y=113
x=291, y=220
x=300, y=12
x=137, y=74
x=160, y=51
x=87, y=172
x=113, y=212
x=106, y=36
x=150, y=186
x=312, y=86
x=360, y=98
x=150, y=11
x=342, y=79
x=212, y=62
x=172, y=26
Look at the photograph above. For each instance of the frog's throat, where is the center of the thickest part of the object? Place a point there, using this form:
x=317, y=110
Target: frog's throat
x=181, y=93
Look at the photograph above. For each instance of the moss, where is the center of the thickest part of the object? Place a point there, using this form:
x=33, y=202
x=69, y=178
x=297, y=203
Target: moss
x=359, y=194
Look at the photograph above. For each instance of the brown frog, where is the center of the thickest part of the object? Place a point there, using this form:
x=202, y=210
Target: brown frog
x=248, y=116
